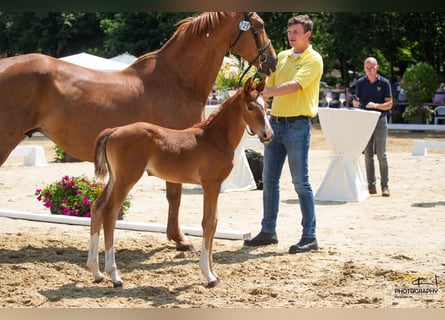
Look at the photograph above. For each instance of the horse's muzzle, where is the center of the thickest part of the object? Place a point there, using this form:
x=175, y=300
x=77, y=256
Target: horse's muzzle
x=266, y=138
x=268, y=66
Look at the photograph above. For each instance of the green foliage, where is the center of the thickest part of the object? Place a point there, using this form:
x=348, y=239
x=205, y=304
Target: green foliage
x=54, y=33
x=420, y=82
x=231, y=70
x=60, y=153
x=73, y=196
x=138, y=32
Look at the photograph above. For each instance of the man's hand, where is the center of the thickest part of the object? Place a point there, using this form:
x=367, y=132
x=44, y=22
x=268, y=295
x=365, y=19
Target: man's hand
x=372, y=105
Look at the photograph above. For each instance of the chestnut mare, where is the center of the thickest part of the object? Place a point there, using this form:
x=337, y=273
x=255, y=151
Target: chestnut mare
x=202, y=154
x=70, y=104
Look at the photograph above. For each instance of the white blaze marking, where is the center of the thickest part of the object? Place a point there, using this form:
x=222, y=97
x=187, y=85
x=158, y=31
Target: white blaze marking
x=260, y=100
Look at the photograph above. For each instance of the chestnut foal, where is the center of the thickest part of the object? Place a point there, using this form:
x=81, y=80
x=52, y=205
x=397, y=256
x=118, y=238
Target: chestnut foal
x=202, y=154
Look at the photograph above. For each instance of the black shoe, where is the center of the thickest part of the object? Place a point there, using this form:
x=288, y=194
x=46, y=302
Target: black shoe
x=372, y=190
x=262, y=239
x=305, y=244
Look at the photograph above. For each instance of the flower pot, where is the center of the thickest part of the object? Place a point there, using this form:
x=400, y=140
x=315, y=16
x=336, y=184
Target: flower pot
x=416, y=118
x=56, y=210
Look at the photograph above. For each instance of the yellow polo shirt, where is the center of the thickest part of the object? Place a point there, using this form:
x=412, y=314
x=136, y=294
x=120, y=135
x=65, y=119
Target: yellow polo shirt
x=305, y=69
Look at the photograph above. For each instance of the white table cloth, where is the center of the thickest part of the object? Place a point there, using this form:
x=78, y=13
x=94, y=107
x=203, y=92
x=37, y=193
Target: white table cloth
x=347, y=132
x=241, y=177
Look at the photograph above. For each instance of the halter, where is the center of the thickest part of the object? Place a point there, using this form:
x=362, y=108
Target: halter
x=245, y=25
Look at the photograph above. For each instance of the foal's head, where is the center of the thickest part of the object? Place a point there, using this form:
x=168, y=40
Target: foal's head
x=254, y=113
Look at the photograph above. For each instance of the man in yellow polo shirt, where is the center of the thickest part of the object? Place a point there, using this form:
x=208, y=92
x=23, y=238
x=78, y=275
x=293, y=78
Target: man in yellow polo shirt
x=294, y=87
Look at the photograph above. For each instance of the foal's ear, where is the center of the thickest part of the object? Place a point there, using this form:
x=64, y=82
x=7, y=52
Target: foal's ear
x=260, y=86
x=248, y=85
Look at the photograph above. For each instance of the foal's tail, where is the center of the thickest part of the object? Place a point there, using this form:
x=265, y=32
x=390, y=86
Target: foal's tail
x=100, y=153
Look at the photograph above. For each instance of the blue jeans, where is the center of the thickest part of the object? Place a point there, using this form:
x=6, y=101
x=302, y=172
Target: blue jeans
x=377, y=145
x=291, y=139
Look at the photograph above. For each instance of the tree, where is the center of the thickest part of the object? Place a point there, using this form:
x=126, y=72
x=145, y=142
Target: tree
x=138, y=32
x=420, y=83
x=52, y=33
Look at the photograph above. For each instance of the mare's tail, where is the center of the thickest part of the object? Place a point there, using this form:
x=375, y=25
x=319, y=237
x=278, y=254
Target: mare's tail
x=100, y=153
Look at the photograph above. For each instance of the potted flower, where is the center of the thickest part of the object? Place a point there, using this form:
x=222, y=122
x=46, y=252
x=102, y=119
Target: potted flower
x=73, y=196
x=419, y=84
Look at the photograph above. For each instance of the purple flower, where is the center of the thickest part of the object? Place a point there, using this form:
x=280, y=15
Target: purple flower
x=86, y=201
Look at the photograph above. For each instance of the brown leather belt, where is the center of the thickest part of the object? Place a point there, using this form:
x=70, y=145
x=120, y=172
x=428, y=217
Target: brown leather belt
x=288, y=119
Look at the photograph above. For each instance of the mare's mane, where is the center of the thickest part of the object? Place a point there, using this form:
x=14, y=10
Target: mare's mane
x=191, y=27
x=200, y=24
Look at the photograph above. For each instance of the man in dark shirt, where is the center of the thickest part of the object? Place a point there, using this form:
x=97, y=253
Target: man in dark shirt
x=374, y=93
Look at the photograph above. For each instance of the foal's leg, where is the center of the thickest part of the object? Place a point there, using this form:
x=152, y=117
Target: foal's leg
x=110, y=212
x=119, y=185
x=96, y=224
x=110, y=259
x=174, y=192
x=209, y=222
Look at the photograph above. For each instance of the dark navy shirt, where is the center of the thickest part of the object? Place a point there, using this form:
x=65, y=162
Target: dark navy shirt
x=373, y=92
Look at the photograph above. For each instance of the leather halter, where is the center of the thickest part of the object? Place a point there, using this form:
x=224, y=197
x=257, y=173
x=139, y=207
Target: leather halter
x=261, y=57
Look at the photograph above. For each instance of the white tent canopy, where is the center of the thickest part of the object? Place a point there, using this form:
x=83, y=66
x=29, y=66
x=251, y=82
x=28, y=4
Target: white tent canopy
x=124, y=58
x=94, y=62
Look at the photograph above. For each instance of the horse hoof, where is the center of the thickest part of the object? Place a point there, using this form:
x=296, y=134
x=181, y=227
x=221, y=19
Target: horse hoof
x=99, y=278
x=118, y=284
x=212, y=284
x=185, y=247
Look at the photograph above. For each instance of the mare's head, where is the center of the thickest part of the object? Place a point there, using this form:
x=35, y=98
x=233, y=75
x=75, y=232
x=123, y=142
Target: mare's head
x=215, y=33
x=252, y=42
x=254, y=112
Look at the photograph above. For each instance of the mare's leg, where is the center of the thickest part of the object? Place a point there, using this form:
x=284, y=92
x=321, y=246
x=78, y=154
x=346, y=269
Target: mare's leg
x=174, y=191
x=10, y=140
x=209, y=222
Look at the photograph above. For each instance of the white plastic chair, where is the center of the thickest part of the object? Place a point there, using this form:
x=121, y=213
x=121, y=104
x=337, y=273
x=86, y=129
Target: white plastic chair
x=439, y=114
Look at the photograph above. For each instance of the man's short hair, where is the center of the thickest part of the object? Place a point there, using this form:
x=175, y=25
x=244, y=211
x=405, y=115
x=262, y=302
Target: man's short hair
x=302, y=19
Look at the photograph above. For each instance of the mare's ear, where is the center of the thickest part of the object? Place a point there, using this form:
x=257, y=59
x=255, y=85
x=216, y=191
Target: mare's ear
x=248, y=85
x=260, y=86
